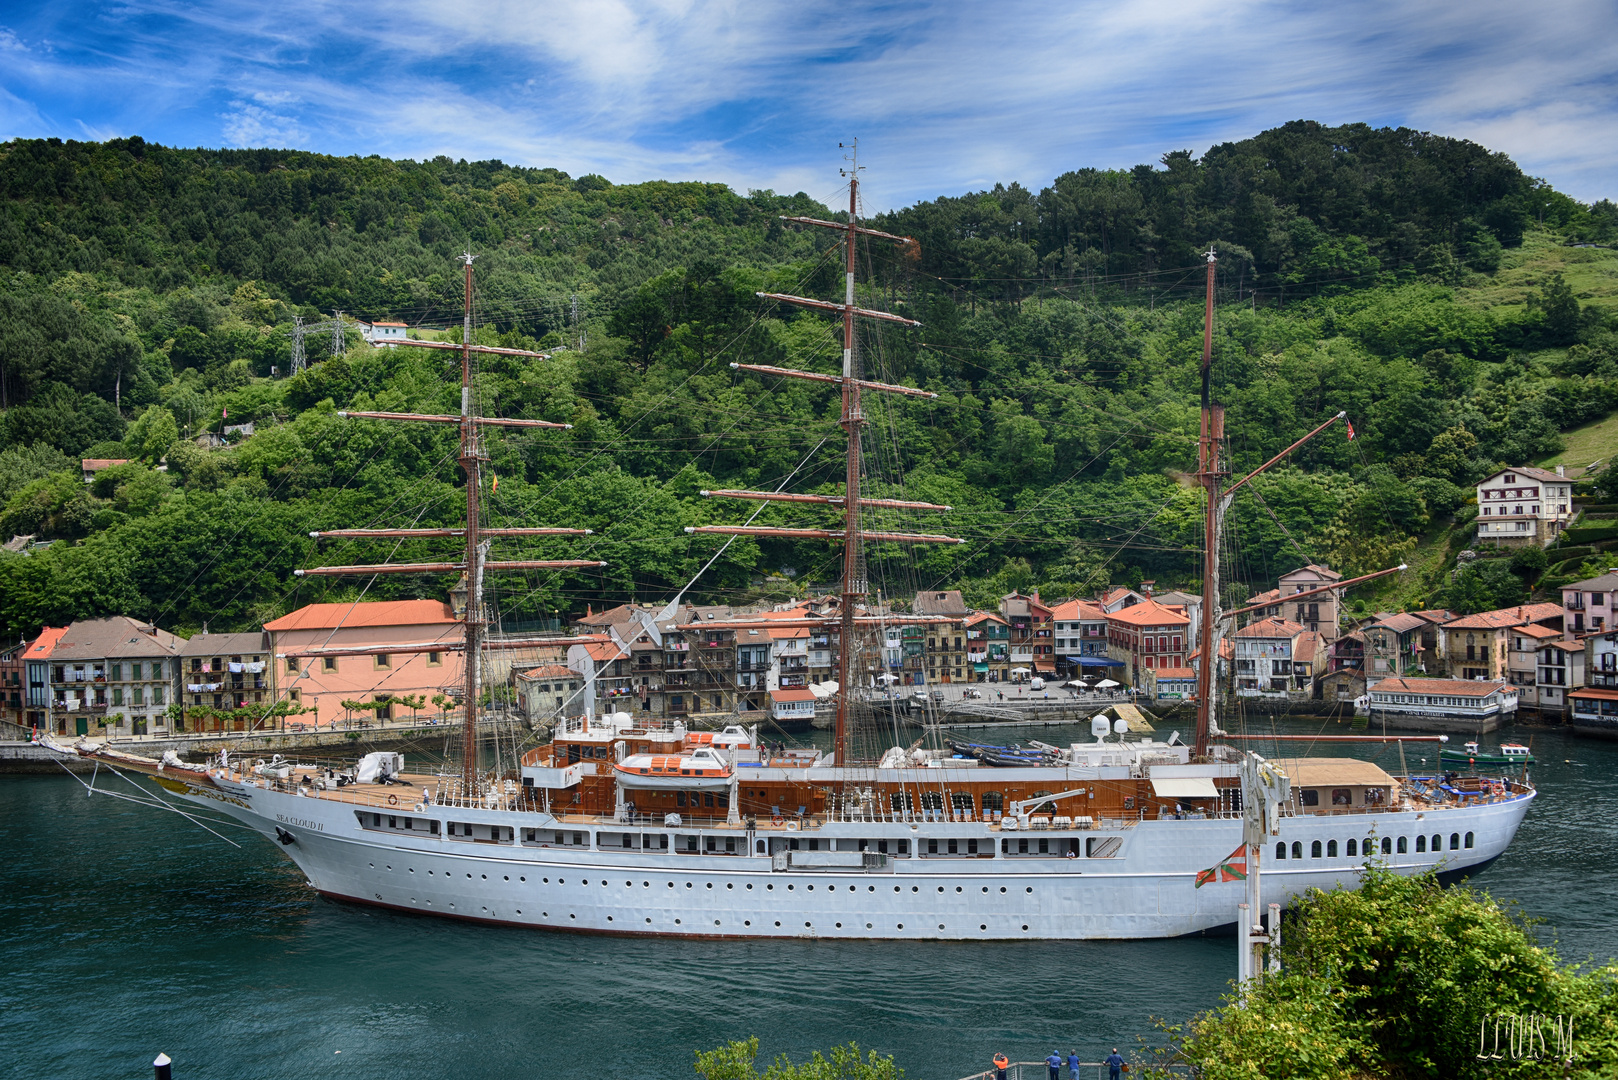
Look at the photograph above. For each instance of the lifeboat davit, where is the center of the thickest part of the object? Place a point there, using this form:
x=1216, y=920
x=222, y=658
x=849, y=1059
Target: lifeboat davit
x=702, y=770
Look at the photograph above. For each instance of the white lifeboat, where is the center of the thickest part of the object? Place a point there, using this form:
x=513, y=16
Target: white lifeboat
x=701, y=769
x=733, y=737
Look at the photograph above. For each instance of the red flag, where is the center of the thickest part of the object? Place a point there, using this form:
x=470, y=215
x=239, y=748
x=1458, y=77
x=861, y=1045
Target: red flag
x=225, y=415
x=1350, y=425
x=1232, y=867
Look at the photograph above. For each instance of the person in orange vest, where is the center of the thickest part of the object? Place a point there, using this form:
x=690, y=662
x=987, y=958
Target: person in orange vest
x=1000, y=1063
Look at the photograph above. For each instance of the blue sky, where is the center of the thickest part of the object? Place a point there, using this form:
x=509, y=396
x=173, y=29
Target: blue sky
x=944, y=97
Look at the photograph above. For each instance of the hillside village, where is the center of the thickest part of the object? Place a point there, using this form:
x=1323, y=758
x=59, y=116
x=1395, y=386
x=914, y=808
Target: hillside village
x=332, y=665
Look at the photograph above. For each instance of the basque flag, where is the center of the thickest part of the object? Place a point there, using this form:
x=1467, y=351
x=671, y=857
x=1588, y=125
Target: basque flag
x=1350, y=425
x=1232, y=868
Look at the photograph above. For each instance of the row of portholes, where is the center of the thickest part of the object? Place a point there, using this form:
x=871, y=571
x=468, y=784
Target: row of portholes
x=1351, y=848
x=1280, y=854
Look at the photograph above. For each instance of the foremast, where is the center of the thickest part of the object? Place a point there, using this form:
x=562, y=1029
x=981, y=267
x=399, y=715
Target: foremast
x=855, y=587
x=474, y=562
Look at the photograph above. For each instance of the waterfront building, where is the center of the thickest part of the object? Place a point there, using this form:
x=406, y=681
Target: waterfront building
x=1476, y=646
x=223, y=673
x=1265, y=653
x=1145, y=637
x=111, y=676
x=325, y=654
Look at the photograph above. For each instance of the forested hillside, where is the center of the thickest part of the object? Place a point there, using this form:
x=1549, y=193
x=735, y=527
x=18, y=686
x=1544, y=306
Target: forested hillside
x=1422, y=284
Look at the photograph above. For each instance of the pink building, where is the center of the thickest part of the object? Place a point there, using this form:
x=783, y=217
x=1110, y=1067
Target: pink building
x=313, y=670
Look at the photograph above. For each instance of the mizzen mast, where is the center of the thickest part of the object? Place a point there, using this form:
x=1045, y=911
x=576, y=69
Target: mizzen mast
x=1208, y=473
x=474, y=561
x=855, y=587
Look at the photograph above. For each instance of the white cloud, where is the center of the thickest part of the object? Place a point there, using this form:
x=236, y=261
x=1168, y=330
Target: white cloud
x=252, y=125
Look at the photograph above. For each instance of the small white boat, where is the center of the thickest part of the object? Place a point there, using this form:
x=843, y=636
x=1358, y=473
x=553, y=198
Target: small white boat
x=700, y=770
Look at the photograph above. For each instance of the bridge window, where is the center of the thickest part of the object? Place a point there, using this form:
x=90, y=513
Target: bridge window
x=1331, y=849
x=1387, y=845
x=1314, y=850
x=1469, y=840
x=1404, y=845
x=1352, y=849
x=900, y=800
x=1297, y=849
x=994, y=800
x=1455, y=841
x=1281, y=850
x=1421, y=844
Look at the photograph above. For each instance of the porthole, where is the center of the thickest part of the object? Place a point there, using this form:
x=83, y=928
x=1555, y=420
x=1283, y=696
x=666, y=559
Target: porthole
x=957, y=888
x=870, y=888
x=545, y=881
x=646, y=884
x=1002, y=888
x=901, y=926
x=808, y=925
x=710, y=884
x=895, y=888
x=867, y=926
x=507, y=876
x=468, y=877
x=390, y=867
x=648, y=922
x=373, y=866
x=811, y=888
x=519, y=911
x=941, y=888
x=676, y=922
x=522, y=879
x=749, y=886
x=561, y=881
x=688, y=884
x=1030, y=888
x=609, y=918
x=671, y=884
x=778, y=922
x=839, y=926
x=914, y=888
x=413, y=870
x=747, y=922
x=1025, y=926
x=791, y=888
x=544, y=914
x=769, y=888
x=985, y=888
x=941, y=926
x=716, y=922
x=983, y=926
x=571, y=916
x=629, y=884
x=729, y=886
x=429, y=873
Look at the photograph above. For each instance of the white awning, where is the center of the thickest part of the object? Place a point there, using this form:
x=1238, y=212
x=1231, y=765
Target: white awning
x=1184, y=787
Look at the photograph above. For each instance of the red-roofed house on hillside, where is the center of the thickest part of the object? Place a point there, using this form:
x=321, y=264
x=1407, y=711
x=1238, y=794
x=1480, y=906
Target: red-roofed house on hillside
x=88, y=467
x=1032, y=643
x=1522, y=506
x=313, y=669
x=988, y=647
x=388, y=334
x=1265, y=654
x=36, y=677
x=1398, y=643
x=1145, y=637
x=1475, y=646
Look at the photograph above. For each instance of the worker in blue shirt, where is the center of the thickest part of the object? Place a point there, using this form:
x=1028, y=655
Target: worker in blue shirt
x=1073, y=1064
x=1115, y=1064
x=1055, y=1062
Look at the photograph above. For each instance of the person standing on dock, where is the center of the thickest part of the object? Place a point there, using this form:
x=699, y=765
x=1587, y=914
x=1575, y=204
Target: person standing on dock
x=1115, y=1064
x=1000, y=1063
x=1055, y=1062
x=1073, y=1059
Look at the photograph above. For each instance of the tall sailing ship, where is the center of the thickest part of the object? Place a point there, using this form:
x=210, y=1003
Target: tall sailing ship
x=630, y=826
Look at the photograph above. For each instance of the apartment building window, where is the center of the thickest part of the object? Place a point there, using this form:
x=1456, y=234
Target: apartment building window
x=115, y=672
x=138, y=695
x=292, y=665
x=382, y=661
x=117, y=695
x=435, y=659
x=328, y=663
x=157, y=695
x=1598, y=599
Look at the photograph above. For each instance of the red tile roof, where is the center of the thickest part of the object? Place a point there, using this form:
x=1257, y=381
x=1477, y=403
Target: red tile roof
x=1598, y=693
x=1176, y=673
x=1505, y=618
x=1272, y=627
x=1453, y=687
x=1148, y=613
x=792, y=695
x=40, y=648
x=96, y=464
x=1078, y=610
x=365, y=613
x=548, y=671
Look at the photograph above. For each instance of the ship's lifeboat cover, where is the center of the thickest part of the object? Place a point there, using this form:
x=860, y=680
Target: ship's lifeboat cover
x=699, y=769
x=733, y=737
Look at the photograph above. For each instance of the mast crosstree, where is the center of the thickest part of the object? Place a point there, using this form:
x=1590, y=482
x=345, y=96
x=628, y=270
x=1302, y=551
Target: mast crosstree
x=474, y=563
x=855, y=588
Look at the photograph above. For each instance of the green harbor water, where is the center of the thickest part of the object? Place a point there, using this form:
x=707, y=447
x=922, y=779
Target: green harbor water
x=129, y=932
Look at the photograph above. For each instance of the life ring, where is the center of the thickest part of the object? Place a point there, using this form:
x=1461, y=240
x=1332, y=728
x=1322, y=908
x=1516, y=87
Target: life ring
x=778, y=821
x=420, y=808
x=393, y=800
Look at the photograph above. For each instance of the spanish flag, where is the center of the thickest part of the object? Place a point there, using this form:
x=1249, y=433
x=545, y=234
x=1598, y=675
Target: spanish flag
x=1232, y=868
x=494, y=481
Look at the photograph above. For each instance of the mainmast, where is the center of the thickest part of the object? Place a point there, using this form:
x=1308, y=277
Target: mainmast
x=475, y=559
x=855, y=588
x=1208, y=472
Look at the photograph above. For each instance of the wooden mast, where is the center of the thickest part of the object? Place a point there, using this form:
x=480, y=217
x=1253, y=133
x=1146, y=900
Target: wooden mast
x=852, y=421
x=1213, y=424
x=474, y=561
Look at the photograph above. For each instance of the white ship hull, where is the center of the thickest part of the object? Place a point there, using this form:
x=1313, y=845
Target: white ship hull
x=1144, y=890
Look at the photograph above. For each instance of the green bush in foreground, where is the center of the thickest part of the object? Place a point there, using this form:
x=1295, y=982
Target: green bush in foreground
x=1393, y=980
x=735, y=1062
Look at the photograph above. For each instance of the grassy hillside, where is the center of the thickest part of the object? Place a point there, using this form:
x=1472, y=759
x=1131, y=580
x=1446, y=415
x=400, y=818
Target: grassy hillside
x=1423, y=285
